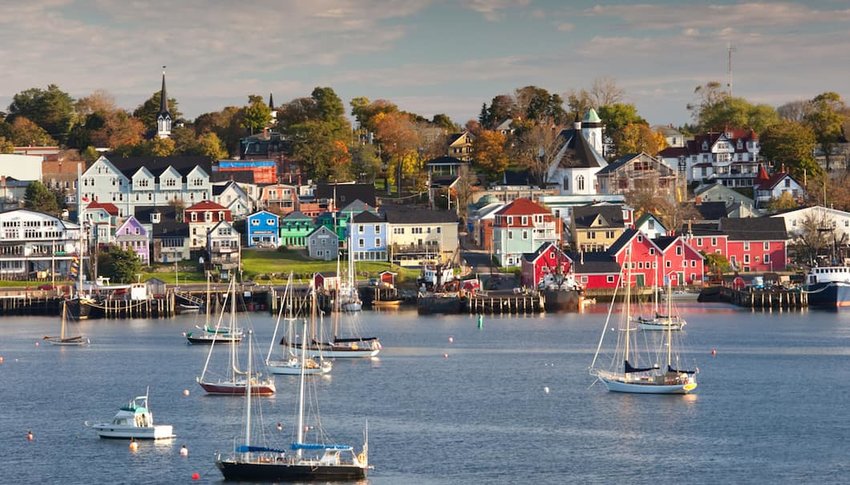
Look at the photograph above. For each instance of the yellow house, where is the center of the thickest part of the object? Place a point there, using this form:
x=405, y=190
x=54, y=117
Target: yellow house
x=596, y=227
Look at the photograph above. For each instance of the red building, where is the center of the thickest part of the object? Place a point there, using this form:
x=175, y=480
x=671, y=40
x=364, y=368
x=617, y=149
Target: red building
x=596, y=270
x=751, y=245
x=547, y=261
x=265, y=171
x=680, y=261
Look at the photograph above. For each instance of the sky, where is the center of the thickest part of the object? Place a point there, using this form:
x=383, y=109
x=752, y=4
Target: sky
x=426, y=56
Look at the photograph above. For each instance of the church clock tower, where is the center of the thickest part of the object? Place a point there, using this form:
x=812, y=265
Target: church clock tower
x=163, y=119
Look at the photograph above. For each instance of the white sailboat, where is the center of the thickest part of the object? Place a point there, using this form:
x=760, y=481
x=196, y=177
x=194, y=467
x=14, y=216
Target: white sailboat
x=63, y=339
x=209, y=334
x=624, y=373
x=347, y=293
x=234, y=381
x=291, y=363
x=668, y=321
x=308, y=462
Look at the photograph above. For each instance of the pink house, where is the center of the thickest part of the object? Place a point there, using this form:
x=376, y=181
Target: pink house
x=132, y=236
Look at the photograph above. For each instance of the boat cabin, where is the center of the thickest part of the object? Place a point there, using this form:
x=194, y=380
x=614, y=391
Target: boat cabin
x=827, y=274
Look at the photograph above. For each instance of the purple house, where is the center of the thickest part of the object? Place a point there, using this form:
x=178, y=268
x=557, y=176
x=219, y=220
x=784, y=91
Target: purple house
x=133, y=236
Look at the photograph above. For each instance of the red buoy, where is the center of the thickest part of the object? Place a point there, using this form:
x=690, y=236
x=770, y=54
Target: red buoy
x=196, y=476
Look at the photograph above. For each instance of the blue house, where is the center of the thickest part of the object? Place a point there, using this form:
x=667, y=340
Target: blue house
x=368, y=237
x=263, y=228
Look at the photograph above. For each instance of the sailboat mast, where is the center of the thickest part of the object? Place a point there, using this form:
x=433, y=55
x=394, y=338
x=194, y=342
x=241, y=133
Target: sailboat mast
x=248, y=400
x=234, y=370
x=207, y=321
x=669, y=321
x=301, y=394
x=628, y=302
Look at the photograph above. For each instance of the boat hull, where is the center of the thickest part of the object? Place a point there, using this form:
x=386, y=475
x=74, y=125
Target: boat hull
x=237, y=389
x=354, y=306
x=158, y=432
x=616, y=385
x=67, y=342
x=287, y=472
x=208, y=339
x=293, y=368
x=660, y=326
x=829, y=294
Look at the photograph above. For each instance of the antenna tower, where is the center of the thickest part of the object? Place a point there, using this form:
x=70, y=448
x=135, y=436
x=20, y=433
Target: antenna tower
x=730, y=49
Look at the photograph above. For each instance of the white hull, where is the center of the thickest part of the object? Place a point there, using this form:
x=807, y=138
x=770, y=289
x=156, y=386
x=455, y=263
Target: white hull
x=661, y=325
x=354, y=306
x=292, y=367
x=646, y=386
x=343, y=354
x=158, y=432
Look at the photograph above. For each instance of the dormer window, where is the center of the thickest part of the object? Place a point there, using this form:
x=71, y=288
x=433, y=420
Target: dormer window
x=705, y=146
x=155, y=217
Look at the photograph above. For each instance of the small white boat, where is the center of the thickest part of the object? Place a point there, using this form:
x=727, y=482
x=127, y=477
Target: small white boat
x=661, y=322
x=63, y=339
x=134, y=420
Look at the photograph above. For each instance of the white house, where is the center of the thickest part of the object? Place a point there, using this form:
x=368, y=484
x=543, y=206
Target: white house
x=773, y=187
x=729, y=157
x=822, y=217
x=34, y=243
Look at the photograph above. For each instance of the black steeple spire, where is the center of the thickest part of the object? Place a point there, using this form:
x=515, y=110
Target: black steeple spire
x=163, y=97
x=271, y=102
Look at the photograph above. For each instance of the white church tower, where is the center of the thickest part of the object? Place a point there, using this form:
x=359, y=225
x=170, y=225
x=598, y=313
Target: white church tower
x=591, y=129
x=163, y=119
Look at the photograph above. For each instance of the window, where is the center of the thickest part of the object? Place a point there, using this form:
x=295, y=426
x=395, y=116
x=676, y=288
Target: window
x=361, y=243
x=377, y=229
x=766, y=257
x=608, y=279
x=746, y=259
x=714, y=241
x=255, y=222
x=524, y=220
x=678, y=250
x=667, y=264
x=510, y=234
x=767, y=246
x=377, y=242
x=361, y=228
x=525, y=235
x=746, y=246
x=194, y=217
x=652, y=251
x=699, y=241
x=580, y=182
x=270, y=221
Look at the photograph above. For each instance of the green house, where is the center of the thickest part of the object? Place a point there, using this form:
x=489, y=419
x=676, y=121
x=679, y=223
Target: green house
x=294, y=228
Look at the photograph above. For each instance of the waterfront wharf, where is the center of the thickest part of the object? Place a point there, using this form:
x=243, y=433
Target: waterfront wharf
x=750, y=297
x=506, y=304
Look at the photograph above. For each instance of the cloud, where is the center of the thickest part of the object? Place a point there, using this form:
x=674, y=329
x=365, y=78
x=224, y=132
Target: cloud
x=565, y=27
x=492, y=10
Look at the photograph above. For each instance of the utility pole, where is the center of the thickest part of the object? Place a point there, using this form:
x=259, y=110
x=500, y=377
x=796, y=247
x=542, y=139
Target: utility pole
x=730, y=50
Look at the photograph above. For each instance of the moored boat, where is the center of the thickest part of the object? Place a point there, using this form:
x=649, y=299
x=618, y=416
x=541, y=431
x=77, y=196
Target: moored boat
x=828, y=286
x=63, y=339
x=134, y=421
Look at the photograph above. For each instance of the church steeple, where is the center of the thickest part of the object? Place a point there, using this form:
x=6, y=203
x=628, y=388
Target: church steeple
x=163, y=119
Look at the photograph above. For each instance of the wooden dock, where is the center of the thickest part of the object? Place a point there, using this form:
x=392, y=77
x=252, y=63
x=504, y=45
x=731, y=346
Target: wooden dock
x=757, y=298
x=506, y=304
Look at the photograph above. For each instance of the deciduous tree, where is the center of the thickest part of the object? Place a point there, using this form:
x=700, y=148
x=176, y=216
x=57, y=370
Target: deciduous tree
x=26, y=133
x=791, y=144
x=490, y=154
x=256, y=115
x=51, y=109
x=827, y=118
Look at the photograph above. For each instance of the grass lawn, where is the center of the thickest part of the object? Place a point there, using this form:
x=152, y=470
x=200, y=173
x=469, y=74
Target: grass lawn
x=262, y=265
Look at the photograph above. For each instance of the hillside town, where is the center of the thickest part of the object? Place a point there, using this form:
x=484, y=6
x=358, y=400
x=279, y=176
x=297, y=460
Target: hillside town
x=536, y=191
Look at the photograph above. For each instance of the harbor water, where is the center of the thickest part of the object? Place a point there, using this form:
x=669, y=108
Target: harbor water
x=449, y=400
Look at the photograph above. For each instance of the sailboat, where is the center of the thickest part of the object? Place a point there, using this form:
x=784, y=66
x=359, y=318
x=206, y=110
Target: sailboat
x=235, y=381
x=307, y=461
x=346, y=292
x=63, y=338
x=670, y=321
x=625, y=373
x=291, y=364
x=208, y=334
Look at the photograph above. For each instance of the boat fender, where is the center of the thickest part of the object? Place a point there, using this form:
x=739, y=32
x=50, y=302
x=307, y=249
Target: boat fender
x=184, y=451
x=361, y=457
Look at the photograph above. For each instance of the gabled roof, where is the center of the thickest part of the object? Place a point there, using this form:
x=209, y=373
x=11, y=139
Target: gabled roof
x=754, y=229
x=397, y=214
x=532, y=257
x=612, y=215
x=664, y=241
x=625, y=159
x=443, y=181
x=647, y=216
x=594, y=262
x=206, y=205
x=775, y=180
x=355, y=207
x=624, y=240
x=156, y=165
x=712, y=211
x=366, y=217
x=673, y=152
x=170, y=228
x=456, y=136
x=263, y=212
x=109, y=207
x=322, y=228
x=577, y=152
x=296, y=216
x=347, y=193
x=226, y=223
x=522, y=207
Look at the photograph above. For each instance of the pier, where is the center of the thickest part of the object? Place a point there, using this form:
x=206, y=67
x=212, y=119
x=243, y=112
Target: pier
x=506, y=304
x=757, y=298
